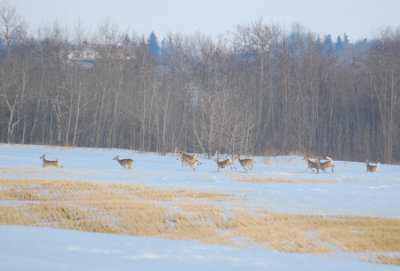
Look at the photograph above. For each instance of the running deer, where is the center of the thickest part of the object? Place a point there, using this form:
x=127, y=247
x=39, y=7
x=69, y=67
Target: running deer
x=311, y=164
x=223, y=164
x=189, y=163
x=247, y=164
x=325, y=165
x=125, y=163
x=190, y=158
x=48, y=163
x=372, y=168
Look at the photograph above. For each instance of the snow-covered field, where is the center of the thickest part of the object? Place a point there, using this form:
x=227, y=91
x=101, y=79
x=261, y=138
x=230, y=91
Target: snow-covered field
x=348, y=191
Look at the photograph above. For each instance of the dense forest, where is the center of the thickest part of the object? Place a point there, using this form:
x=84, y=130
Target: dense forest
x=260, y=90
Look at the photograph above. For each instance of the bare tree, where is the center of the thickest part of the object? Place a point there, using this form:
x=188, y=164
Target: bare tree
x=13, y=73
x=12, y=26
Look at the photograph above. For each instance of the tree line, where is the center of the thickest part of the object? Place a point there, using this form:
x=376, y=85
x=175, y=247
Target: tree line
x=258, y=91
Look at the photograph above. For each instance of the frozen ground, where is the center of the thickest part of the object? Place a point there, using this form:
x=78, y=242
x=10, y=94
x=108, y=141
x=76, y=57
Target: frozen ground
x=31, y=248
x=348, y=191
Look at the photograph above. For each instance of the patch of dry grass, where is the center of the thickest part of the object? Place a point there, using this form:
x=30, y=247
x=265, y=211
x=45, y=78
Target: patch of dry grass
x=382, y=258
x=387, y=259
x=190, y=214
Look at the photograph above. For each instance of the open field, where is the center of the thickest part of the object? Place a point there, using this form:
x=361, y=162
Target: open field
x=188, y=214
x=277, y=207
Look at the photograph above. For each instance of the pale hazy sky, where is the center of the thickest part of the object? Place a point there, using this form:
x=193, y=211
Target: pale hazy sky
x=357, y=18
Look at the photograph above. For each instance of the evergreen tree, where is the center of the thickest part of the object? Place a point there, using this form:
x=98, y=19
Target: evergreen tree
x=164, y=49
x=127, y=41
x=328, y=44
x=338, y=45
x=153, y=45
x=143, y=42
x=317, y=43
x=345, y=40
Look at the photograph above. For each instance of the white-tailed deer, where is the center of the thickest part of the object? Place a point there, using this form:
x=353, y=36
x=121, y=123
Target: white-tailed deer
x=311, y=164
x=125, y=163
x=325, y=165
x=223, y=164
x=189, y=163
x=372, y=168
x=247, y=164
x=190, y=158
x=48, y=163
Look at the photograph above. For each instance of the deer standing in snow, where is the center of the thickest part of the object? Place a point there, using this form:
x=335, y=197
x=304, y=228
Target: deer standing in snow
x=225, y=163
x=247, y=164
x=125, y=163
x=372, y=168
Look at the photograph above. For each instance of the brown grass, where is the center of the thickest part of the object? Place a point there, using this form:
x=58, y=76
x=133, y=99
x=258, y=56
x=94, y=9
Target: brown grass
x=189, y=214
x=382, y=258
x=387, y=259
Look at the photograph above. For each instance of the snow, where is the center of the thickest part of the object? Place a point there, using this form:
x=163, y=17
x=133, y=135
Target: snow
x=350, y=190
x=32, y=248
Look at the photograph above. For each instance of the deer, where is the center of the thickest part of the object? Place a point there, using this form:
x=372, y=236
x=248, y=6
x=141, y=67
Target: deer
x=48, y=163
x=311, y=164
x=189, y=163
x=325, y=165
x=223, y=164
x=247, y=164
x=372, y=168
x=190, y=158
x=125, y=163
